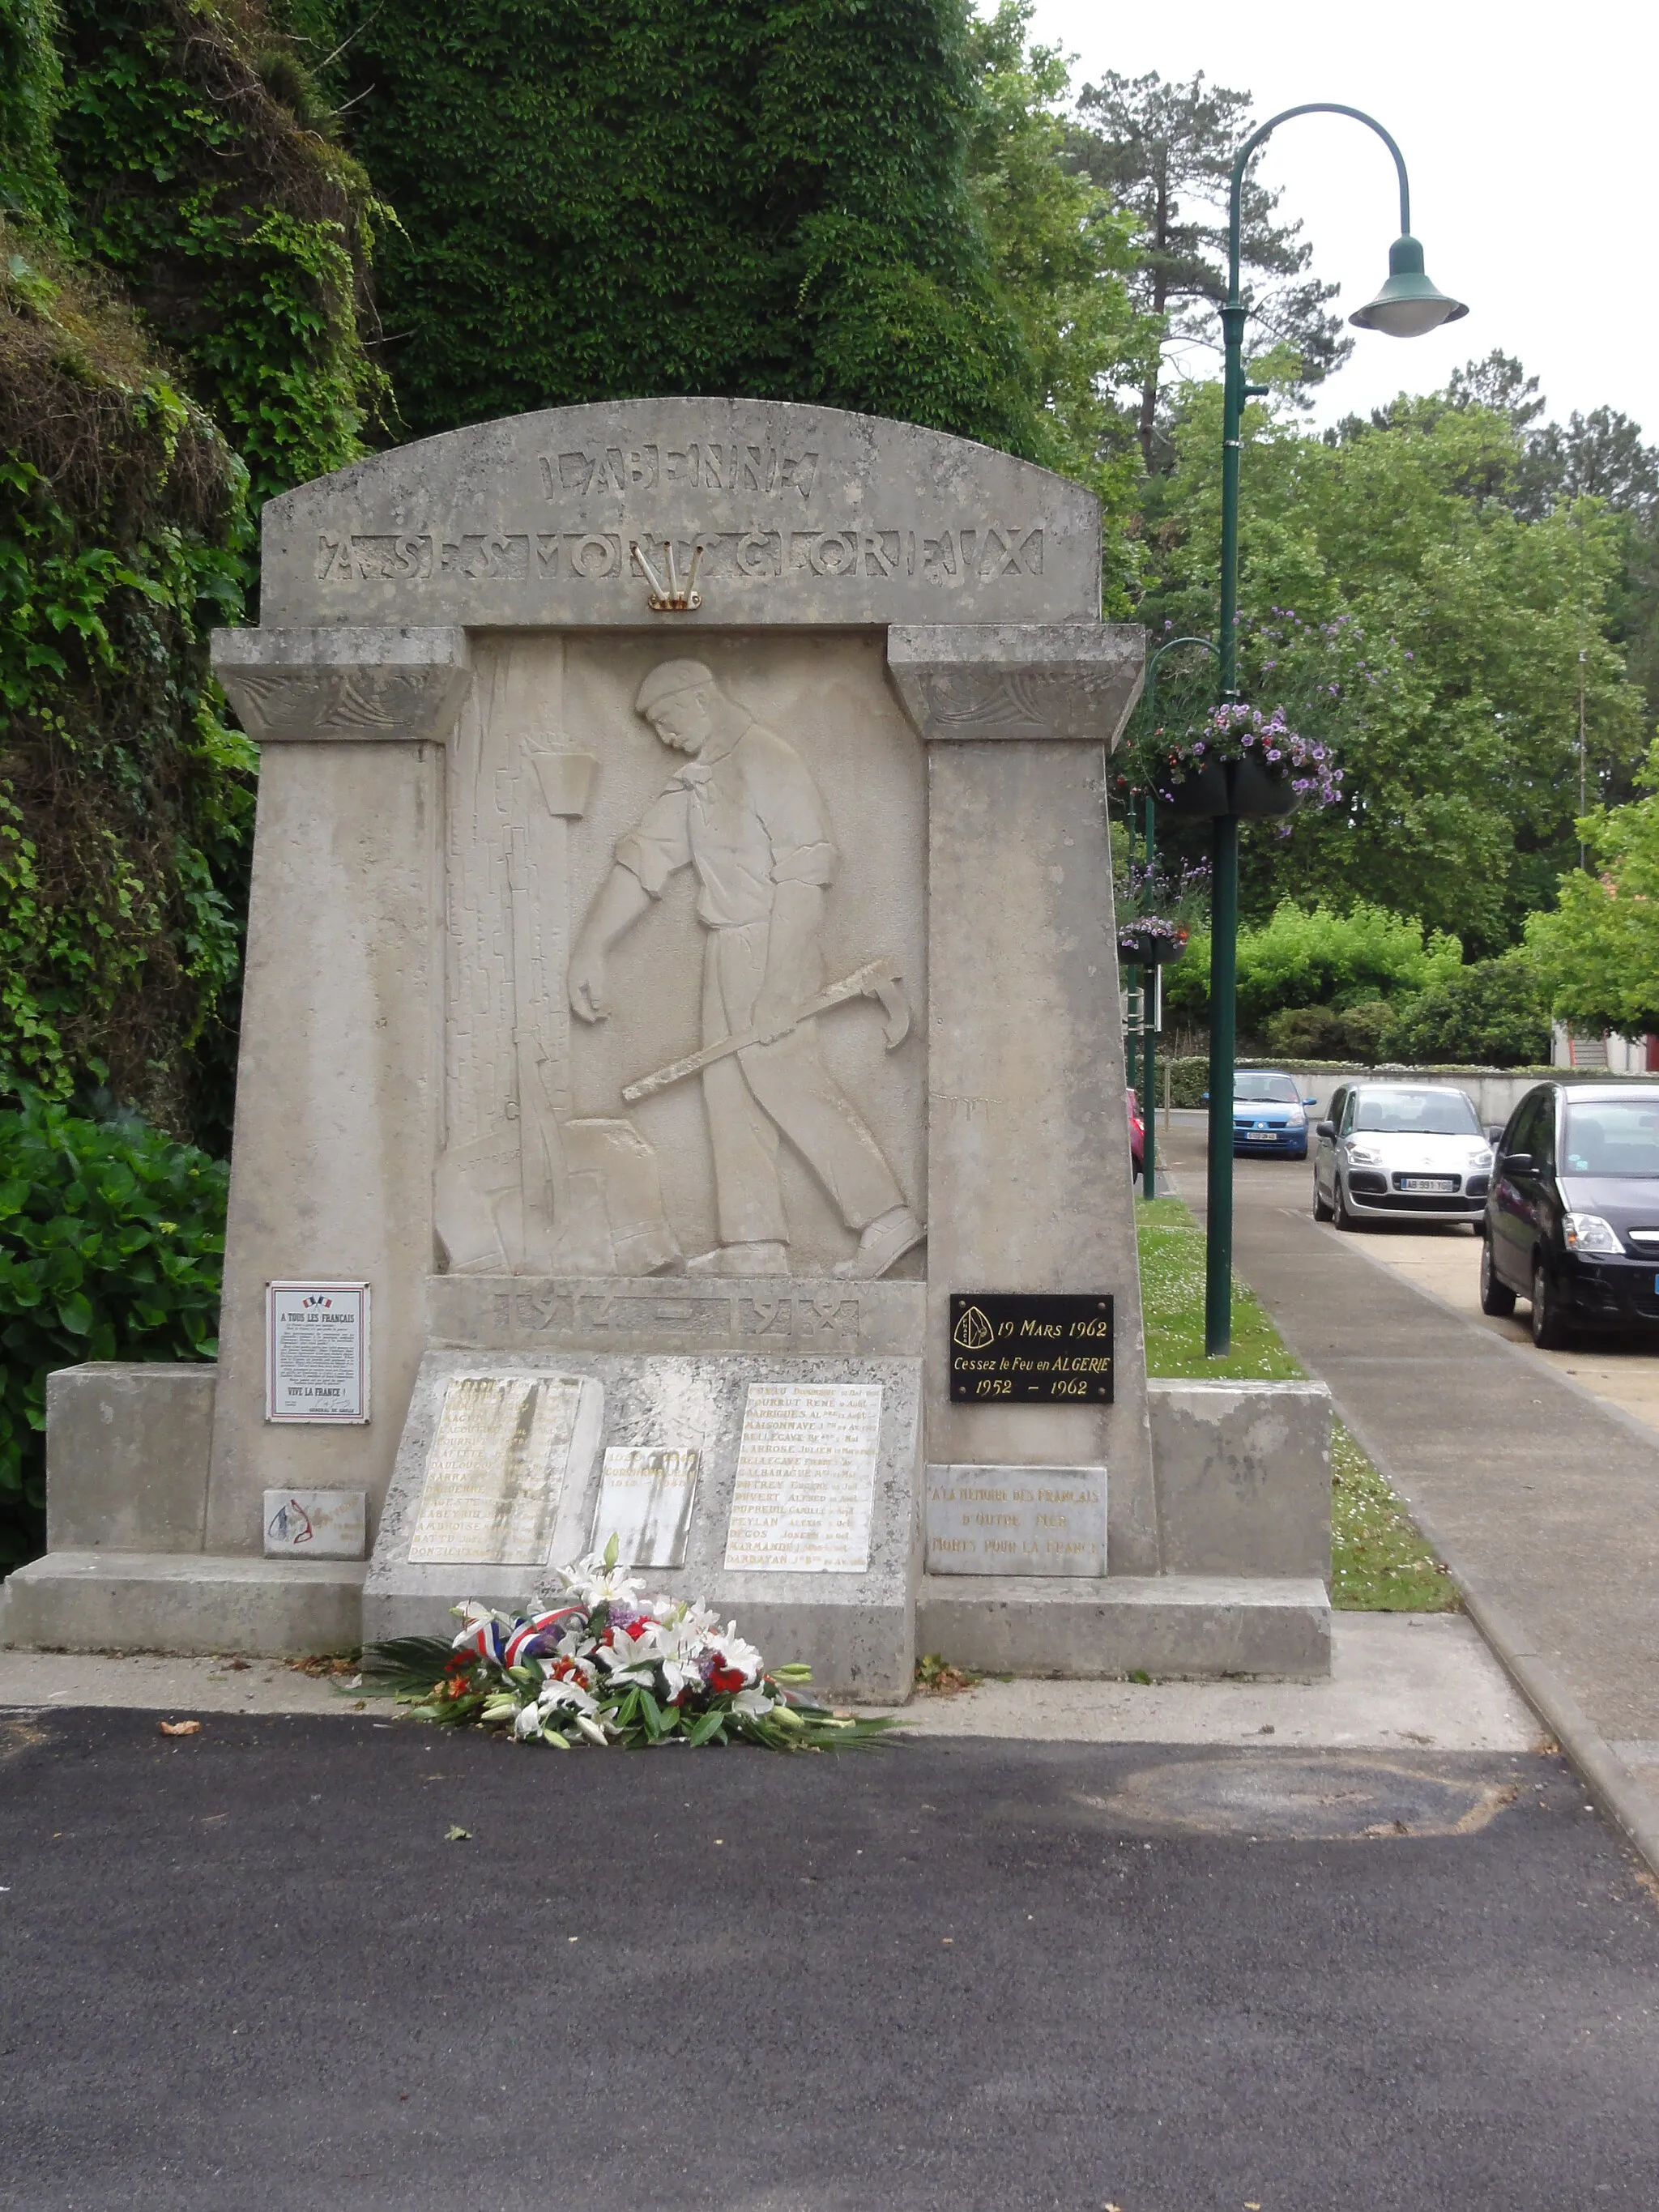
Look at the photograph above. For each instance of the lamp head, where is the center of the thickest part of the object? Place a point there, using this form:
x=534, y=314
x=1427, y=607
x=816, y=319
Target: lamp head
x=1408, y=304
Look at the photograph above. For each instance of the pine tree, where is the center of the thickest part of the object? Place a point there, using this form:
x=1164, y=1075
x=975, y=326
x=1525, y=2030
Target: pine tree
x=1165, y=151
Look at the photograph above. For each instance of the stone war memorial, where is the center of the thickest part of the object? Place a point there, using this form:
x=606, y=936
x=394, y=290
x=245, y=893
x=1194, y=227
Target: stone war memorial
x=682, y=1092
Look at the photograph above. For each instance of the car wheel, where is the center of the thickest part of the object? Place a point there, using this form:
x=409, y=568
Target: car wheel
x=1322, y=1212
x=1496, y=1297
x=1345, y=1217
x=1547, y=1333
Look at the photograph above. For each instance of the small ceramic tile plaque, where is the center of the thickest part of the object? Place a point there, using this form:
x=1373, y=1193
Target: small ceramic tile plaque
x=1016, y=1521
x=315, y=1524
x=316, y=1351
x=646, y=1495
x=805, y=1483
x=497, y=1467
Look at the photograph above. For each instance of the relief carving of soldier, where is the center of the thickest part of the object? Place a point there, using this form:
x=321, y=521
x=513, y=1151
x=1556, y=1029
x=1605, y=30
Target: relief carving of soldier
x=746, y=813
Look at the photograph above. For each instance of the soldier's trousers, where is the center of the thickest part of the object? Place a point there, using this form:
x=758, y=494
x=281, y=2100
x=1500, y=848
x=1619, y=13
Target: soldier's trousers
x=752, y=1095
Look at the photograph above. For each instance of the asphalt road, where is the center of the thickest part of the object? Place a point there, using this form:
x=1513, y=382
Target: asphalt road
x=247, y=1970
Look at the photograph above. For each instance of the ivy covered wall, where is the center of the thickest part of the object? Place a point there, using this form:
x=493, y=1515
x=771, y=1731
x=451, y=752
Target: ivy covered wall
x=184, y=254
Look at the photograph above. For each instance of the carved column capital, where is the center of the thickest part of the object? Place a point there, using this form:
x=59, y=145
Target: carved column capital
x=1062, y=682
x=334, y=685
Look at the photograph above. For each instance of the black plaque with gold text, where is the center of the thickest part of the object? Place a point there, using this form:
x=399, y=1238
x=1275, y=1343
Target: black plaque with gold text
x=1030, y=1348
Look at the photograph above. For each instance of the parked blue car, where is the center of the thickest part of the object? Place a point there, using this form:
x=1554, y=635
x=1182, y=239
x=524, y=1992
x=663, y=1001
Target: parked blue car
x=1269, y=1115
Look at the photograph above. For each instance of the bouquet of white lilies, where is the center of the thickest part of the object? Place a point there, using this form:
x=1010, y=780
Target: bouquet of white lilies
x=606, y=1665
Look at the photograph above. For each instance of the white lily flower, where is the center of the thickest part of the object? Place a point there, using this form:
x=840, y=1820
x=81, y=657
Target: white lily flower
x=598, y=1581
x=529, y=1722
x=593, y=1731
x=566, y=1697
x=734, y=1652
x=754, y=1703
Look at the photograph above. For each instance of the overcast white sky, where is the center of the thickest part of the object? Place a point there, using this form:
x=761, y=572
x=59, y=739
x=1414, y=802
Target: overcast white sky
x=1530, y=136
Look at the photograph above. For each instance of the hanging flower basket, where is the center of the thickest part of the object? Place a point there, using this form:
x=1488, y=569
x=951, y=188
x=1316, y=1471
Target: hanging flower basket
x=1249, y=788
x=1151, y=944
x=1248, y=763
x=1201, y=794
x=1259, y=791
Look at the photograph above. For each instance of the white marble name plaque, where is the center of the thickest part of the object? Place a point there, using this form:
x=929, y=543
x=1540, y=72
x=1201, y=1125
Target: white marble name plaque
x=645, y=1495
x=500, y=1454
x=1016, y=1521
x=316, y=1351
x=805, y=1486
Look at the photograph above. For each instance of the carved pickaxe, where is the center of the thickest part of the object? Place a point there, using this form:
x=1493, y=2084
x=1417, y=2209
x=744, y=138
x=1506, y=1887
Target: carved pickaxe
x=877, y=979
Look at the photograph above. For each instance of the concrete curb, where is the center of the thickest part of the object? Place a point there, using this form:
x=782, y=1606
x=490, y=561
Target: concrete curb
x=1609, y=1781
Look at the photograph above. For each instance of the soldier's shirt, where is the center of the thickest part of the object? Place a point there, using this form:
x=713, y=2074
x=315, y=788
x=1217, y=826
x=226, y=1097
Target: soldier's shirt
x=748, y=821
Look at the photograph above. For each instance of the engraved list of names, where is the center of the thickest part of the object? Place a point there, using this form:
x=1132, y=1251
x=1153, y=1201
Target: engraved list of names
x=806, y=1486
x=496, y=1470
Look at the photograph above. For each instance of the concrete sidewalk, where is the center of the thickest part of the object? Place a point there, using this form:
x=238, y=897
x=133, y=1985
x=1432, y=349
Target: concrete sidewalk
x=1542, y=1498
x=1397, y=1681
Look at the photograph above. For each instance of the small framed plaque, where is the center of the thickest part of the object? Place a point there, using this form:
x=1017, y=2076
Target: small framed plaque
x=645, y=1495
x=316, y=1351
x=1030, y=1348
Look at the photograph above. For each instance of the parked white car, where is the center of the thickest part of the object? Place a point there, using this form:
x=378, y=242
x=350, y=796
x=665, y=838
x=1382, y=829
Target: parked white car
x=1400, y=1151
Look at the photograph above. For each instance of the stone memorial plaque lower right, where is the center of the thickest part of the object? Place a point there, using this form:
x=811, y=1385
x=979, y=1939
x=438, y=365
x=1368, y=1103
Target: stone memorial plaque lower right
x=1016, y=1521
x=805, y=1493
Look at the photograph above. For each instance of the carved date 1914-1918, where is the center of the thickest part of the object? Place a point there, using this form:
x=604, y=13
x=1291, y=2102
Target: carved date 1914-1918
x=1010, y=1347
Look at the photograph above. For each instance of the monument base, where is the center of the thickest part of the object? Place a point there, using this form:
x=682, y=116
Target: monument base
x=189, y=1603
x=1243, y=1473
x=1090, y=1628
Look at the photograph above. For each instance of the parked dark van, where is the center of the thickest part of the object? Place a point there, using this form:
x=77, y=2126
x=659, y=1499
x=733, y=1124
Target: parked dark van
x=1573, y=1221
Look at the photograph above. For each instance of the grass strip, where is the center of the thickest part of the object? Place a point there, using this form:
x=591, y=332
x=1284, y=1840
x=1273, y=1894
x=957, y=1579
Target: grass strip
x=1379, y=1561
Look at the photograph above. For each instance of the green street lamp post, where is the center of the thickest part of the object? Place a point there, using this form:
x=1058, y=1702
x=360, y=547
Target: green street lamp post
x=1406, y=306
x=1149, y=1057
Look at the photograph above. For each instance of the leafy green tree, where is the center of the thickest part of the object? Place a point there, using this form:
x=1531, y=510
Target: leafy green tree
x=1597, y=954
x=606, y=198
x=1165, y=151
x=1451, y=628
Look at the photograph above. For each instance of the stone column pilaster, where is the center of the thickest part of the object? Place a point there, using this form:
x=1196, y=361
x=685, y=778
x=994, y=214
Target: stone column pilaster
x=338, y=1095
x=1028, y=1177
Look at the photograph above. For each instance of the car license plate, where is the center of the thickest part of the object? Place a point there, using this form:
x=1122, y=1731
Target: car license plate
x=1261, y=1136
x=1443, y=1184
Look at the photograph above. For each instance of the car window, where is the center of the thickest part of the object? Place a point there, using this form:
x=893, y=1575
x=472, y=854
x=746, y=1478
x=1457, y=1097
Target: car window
x=1335, y=1116
x=1266, y=1090
x=1524, y=1127
x=1416, y=1113
x=1543, y=1133
x=1347, y=1122
x=1612, y=1137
